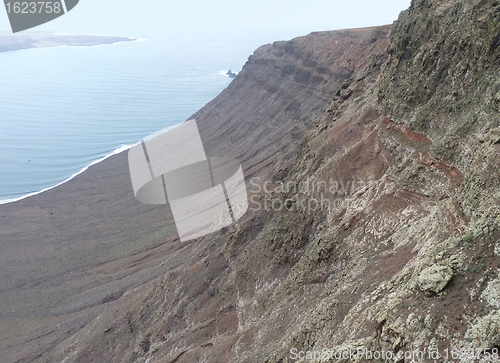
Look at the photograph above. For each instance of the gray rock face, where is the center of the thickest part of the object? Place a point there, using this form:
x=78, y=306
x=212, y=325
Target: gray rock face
x=486, y=330
x=435, y=278
x=492, y=293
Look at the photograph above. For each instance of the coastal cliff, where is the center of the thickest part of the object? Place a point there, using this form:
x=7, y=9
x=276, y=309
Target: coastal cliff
x=92, y=244
x=371, y=158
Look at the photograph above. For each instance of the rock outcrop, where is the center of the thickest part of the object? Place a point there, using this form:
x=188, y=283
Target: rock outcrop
x=435, y=278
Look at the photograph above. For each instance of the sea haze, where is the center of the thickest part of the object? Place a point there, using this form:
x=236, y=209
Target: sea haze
x=64, y=108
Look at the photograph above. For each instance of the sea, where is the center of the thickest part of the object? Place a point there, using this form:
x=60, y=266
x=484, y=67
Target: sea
x=63, y=109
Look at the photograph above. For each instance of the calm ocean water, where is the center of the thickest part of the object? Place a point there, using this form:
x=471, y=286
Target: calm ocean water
x=64, y=108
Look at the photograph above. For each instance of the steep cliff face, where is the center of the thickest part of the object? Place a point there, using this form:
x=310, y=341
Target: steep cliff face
x=444, y=56
x=283, y=87
x=442, y=80
x=373, y=225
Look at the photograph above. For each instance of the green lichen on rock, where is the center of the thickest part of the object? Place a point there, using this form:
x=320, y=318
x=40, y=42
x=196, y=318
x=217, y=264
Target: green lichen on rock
x=492, y=293
x=435, y=278
x=485, y=331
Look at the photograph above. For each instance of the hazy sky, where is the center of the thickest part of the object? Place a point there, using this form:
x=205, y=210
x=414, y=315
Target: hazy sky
x=196, y=16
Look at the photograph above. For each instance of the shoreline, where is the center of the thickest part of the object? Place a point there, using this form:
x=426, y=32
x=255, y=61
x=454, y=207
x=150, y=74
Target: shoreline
x=119, y=39
x=85, y=168
x=117, y=151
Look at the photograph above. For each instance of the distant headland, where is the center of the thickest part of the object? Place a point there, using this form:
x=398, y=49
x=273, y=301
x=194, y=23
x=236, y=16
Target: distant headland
x=10, y=42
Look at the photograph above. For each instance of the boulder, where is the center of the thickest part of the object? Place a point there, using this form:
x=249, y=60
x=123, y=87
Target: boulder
x=435, y=278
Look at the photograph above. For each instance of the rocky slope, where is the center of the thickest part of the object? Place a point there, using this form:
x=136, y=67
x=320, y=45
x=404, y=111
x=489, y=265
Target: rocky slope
x=373, y=224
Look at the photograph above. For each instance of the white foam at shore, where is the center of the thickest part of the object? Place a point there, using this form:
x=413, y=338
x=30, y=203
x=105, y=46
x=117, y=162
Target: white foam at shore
x=117, y=151
x=159, y=132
